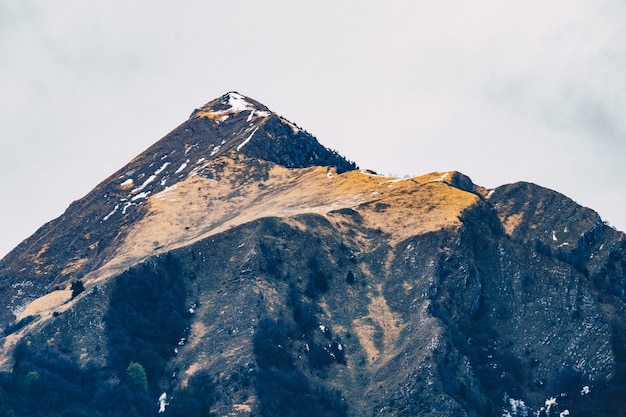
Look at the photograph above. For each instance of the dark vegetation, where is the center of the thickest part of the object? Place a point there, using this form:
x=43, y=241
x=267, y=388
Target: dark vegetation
x=295, y=352
x=77, y=287
x=146, y=320
x=17, y=326
x=49, y=383
x=196, y=399
x=283, y=388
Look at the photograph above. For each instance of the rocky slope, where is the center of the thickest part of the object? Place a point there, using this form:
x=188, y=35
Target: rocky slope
x=238, y=267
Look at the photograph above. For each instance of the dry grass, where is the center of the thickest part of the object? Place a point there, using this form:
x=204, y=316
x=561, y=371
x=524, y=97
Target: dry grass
x=198, y=331
x=36, y=259
x=365, y=331
x=210, y=115
x=380, y=319
x=47, y=303
x=245, y=408
x=199, y=207
x=74, y=265
x=510, y=223
x=191, y=371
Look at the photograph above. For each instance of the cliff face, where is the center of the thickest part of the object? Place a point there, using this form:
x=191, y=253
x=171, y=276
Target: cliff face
x=238, y=267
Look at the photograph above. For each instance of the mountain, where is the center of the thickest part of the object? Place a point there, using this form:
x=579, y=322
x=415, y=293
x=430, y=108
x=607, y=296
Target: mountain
x=239, y=267
x=90, y=232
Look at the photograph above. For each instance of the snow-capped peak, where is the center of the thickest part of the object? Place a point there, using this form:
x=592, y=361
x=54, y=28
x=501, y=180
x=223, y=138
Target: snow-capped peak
x=238, y=102
x=231, y=103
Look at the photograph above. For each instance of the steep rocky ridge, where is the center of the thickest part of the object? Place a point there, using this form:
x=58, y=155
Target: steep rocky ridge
x=87, y=234
x=559, y=227
x=269, y=277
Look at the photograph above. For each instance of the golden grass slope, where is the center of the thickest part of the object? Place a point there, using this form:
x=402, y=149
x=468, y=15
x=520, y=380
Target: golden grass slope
x=198, y=207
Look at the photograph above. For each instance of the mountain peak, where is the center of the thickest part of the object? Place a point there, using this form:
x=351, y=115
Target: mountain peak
x=231, y=103
x=251, y=128
x=230, y=129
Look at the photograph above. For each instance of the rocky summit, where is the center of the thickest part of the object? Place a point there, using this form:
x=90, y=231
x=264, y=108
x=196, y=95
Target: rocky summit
x=239, y=268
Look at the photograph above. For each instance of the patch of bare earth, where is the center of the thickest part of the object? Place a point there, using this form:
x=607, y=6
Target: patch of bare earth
x=512, y=222
x=47, y=303
x=379, y=320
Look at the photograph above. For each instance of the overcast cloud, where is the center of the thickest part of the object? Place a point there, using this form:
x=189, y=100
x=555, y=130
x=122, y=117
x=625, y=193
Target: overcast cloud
x=501, y=91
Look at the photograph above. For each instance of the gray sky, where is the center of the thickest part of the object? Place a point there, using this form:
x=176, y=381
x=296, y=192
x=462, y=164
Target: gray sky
x=501, y=91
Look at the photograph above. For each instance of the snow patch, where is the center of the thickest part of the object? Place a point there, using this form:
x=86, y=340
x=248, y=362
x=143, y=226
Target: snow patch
x=440, y=179
x=158, y=171
x=141, y=195
x=181, y=167
x=163, y=402
x=443, y=177
x=238, y=103
x=215, y=150
x=258, y=113
x=370, y=173
x=126, y=206
x=129, y=182
x=242, y=144
x=550, y=402
x=393, y=181
x=190, y=148
x=144, y=185
x=108, y=216
x=517, y=408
